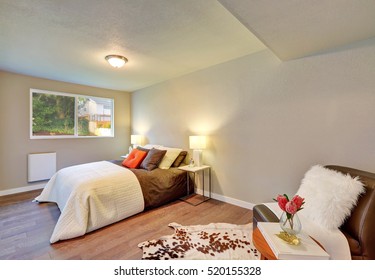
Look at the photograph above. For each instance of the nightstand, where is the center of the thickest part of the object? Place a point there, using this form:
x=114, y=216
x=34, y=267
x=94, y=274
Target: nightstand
x=194, y=170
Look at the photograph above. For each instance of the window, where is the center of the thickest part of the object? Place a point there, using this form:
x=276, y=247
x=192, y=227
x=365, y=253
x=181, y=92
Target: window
x=64, y=115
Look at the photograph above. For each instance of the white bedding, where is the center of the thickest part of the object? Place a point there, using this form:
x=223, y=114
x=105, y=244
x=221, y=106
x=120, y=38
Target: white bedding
x=91, y=196
x=333, y=241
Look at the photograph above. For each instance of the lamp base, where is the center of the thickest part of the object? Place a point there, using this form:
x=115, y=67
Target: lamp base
x=197, y=157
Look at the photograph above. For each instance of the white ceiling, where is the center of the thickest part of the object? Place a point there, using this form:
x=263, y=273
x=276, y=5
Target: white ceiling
x=297, y=28
x=68, y=40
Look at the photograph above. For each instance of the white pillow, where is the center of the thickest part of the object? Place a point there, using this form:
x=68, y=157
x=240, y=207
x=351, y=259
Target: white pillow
x=329, y=196
x=150, y=146
x=169, y=157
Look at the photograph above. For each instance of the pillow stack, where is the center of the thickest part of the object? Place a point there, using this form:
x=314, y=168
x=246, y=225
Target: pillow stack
x=151, y=157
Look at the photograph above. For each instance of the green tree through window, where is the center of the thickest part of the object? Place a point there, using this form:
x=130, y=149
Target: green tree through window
x=67, y=115
x=53, y=114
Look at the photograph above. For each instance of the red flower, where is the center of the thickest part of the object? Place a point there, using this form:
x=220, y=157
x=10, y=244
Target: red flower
x=291, y=208
x=299, y=201
x=282, y=200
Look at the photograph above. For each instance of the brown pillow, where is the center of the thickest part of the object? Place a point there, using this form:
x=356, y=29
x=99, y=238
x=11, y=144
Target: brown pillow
x=181, y=157
x=153, y=158
x=143, y=149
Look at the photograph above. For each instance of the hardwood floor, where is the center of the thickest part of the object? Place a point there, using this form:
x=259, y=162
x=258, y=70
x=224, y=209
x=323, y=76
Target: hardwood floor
x=26, y=227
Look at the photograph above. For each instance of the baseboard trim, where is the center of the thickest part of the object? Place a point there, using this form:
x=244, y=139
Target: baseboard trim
x=22, y=189
x=230, y=200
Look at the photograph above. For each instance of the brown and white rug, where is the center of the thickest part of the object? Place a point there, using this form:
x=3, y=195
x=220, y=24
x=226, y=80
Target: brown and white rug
x=218, y=241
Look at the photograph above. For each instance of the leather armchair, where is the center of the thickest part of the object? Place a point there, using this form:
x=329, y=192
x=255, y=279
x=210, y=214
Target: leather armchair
x=359, y=228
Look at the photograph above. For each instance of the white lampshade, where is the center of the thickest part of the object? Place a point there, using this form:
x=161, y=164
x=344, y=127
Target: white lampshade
x=197, y=142
x=116, y=61
x=136, y=139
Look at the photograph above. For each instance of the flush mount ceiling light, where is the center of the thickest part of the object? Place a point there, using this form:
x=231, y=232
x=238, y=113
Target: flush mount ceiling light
x=116, y=61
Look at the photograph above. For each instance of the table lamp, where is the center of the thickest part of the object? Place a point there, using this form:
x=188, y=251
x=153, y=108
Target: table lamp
x=136, y=140
x=197, y=143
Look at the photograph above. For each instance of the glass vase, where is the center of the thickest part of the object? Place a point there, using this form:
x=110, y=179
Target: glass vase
x=291, y=224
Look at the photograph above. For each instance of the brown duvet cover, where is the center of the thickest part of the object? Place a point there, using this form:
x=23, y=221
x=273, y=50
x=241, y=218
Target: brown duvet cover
x=161, y=186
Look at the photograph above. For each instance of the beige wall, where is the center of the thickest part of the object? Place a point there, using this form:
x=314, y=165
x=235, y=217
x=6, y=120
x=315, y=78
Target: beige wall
x=15, y=144
x=268, y=121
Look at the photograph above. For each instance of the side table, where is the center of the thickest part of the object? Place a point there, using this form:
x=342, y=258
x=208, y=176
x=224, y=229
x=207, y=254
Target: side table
x=262, y=246
x=194, y=170
x=264, y=249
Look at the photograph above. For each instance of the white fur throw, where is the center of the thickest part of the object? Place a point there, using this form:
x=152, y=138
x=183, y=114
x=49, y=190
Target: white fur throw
x=329, y=196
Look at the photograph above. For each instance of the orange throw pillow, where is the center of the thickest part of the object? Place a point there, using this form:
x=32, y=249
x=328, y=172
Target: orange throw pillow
x=134, y=159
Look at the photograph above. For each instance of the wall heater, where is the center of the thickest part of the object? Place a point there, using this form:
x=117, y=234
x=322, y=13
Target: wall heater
x=41, y=166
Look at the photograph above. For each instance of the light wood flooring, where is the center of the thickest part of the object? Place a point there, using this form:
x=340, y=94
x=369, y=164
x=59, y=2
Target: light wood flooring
x=26, y=227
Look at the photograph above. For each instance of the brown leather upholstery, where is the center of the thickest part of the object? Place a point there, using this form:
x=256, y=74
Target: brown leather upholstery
x=359, y=228
x=261, y=213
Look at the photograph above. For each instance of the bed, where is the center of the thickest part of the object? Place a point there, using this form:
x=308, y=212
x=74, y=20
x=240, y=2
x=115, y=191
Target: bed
x=93, y=195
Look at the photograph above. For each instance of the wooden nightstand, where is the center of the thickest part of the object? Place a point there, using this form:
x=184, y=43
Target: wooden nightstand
x=194, y=170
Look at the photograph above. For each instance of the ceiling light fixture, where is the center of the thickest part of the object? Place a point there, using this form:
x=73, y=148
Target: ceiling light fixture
x=116, y=61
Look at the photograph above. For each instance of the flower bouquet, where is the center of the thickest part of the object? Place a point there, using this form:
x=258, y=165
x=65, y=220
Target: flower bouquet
x=289, y=221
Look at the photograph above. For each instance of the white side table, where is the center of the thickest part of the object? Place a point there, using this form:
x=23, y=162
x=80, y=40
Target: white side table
x=194, y=170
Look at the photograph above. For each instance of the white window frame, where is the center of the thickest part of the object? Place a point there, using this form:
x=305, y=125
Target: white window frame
x=76, y=96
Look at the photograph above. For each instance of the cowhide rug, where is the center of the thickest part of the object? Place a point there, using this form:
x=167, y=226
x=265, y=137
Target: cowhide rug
x=218, y=241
